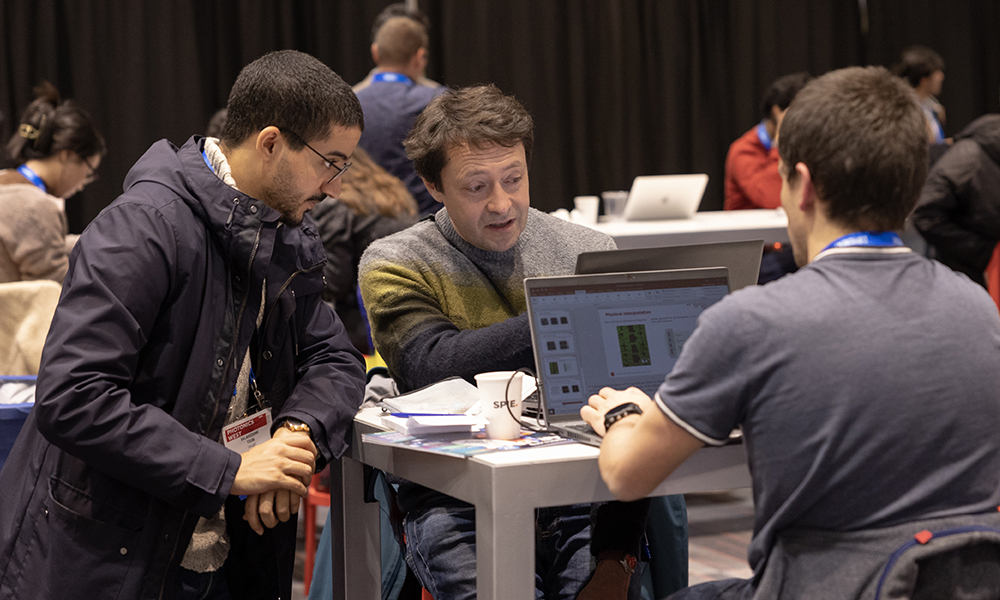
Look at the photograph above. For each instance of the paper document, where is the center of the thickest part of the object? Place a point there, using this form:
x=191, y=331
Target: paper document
x=423, y=424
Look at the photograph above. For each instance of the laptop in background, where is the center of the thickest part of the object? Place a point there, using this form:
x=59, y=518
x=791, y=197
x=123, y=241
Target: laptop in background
x=741, y=258
x=658, y=197
x=613, y=330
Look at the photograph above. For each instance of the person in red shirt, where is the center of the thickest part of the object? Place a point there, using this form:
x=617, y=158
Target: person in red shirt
x=752, y=179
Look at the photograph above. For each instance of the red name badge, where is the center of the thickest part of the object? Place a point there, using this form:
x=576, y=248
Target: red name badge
x=246, y=433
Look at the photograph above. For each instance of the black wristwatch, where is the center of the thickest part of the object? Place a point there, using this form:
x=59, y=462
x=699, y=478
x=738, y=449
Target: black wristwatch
x=620, y=412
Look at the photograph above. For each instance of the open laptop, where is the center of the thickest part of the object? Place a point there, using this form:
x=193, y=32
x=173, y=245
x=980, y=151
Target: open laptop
x=615, y=330
x=741, y=258
x=658, y=197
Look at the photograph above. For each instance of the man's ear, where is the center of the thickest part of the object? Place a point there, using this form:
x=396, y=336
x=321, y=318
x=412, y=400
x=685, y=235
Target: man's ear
x=269, y=142
x=807, y=201
x=436, y=193
x=375, y=52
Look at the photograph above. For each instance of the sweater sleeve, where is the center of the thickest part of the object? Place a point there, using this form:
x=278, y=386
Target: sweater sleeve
x=40, y=250
x=420, y=344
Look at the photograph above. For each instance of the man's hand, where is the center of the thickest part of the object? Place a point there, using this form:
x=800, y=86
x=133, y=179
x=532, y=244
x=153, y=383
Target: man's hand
x=607, y=399
x=275, y=476
x=270, y=507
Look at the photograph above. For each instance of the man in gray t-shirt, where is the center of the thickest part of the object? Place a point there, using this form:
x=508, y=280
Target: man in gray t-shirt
x=867, y=385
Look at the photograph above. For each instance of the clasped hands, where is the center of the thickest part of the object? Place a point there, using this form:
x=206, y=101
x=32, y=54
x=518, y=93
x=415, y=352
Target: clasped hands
x=274, y=476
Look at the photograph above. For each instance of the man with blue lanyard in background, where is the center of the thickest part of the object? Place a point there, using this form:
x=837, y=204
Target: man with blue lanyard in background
x=393, y=99
x=866, y=384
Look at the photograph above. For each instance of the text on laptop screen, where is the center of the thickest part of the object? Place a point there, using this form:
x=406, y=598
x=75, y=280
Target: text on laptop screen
x=592, y=336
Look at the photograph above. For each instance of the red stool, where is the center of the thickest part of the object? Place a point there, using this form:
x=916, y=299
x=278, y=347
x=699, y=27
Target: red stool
x=317, y=496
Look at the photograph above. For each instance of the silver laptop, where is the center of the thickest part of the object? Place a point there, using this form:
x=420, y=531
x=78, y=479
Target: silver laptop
x=657, y=197
x=741, y=258
x=614, y=330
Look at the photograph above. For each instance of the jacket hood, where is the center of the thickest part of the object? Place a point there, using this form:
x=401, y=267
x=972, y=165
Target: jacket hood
x=985, y=131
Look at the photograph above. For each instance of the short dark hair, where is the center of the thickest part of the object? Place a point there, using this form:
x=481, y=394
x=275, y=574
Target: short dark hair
x=864, y=138
x=782, y=91
x=399, y=39
x=50, y=125
x=917, y=62
x=398, y=9
x=293, y=91
x=478, y=116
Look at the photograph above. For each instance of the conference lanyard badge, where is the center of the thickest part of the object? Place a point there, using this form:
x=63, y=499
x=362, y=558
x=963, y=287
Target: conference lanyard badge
x=254, y=427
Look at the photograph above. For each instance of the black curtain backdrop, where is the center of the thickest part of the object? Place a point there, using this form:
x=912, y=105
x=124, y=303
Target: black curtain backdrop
x=618, y=88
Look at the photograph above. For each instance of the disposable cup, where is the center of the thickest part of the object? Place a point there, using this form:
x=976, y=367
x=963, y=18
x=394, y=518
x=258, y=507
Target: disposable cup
x=585, y=209
x=501, y=403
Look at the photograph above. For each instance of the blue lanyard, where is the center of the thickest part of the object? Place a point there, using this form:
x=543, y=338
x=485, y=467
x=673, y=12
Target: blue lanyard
x=878, y=239
x=393, y=77
x=33, y=178
x=762, y=135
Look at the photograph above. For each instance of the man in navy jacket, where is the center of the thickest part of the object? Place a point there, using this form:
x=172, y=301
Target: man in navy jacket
x=191, y=314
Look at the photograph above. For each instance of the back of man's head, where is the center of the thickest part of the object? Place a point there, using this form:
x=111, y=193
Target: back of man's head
x=398, y=40
x=293, y=91
x=781, y=92
x=917, y=62
x=864, y=138
x=399, y=9
x=479, y=117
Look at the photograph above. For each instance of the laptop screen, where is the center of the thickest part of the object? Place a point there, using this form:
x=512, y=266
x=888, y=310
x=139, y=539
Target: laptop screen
x=617, y=330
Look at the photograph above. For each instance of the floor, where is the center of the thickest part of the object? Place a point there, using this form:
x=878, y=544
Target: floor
x=719, y=524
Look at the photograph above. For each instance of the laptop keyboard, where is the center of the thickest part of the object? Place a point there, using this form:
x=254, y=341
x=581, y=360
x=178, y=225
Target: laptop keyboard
x=582, y=428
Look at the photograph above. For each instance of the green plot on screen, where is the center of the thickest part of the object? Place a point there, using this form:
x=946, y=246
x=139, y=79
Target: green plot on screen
x=633, y=345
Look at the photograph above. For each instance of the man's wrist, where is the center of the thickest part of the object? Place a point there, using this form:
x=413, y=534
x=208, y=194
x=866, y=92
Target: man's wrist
x=620, y=412
x=626, y=560
x=295, y=425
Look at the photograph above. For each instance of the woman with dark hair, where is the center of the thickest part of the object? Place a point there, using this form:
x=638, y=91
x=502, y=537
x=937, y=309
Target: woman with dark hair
x=57, y=150
x=372, y=204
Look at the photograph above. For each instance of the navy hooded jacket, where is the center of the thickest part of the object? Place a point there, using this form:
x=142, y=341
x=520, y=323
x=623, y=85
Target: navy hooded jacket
x=120, y=455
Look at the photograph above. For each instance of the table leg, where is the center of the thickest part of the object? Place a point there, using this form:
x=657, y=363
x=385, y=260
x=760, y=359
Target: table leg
x=505, y=552
x=357, y=561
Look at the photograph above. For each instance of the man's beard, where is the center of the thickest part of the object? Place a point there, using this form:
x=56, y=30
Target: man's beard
x=276, y=196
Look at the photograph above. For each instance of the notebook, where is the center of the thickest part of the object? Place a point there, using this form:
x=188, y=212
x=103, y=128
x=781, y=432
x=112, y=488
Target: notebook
x=613, y=330
x=658, y=197
x=741, y=258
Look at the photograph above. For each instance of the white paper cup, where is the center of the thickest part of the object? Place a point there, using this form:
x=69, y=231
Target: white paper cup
x=585, y=211
x=500, y=423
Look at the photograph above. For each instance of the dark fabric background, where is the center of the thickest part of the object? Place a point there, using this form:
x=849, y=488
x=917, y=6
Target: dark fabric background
x=618, y=88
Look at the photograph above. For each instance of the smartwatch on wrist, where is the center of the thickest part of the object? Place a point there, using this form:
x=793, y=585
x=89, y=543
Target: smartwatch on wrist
x=620, y=412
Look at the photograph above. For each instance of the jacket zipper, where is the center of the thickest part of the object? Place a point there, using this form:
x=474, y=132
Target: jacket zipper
x=239, y=322
x=270, y=309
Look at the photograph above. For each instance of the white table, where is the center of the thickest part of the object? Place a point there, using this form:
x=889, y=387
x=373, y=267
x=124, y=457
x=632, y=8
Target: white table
x=505, y=488
x=770, y=225
x=704, y=227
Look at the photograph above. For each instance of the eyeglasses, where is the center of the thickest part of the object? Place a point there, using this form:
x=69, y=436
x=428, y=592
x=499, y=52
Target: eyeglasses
x=329, y=165
x=92, y=176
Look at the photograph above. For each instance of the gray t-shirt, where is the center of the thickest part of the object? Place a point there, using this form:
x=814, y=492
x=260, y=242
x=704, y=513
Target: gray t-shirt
x=867, y=386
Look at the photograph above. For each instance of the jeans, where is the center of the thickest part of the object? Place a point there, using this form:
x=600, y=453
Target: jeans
x=190, y=585
x=441, y=550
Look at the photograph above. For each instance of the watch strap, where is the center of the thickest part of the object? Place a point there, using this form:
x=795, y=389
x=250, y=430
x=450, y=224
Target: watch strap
x=620, y=412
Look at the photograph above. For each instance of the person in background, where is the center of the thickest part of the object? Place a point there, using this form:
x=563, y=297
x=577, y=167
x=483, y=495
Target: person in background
x=752, y=179
x=393, y=100
x=57, y=150
x=923, y=69
x=372, y=204
x=216, y=123
x=959, y=209
x=866, y=385
x=397, y=9
x=193, y=379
